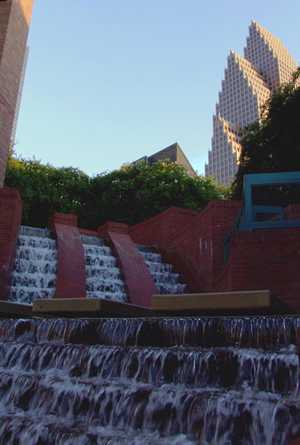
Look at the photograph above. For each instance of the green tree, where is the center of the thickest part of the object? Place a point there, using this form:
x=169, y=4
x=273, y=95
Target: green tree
x=45, y=189
x=129, y=195
x=273, y=144
x=137, y=192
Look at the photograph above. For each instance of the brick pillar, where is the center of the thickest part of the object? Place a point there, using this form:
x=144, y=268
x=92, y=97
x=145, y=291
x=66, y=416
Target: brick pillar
x=138, y=280
x=10, y=221
x=71, y=279
x=15, y=17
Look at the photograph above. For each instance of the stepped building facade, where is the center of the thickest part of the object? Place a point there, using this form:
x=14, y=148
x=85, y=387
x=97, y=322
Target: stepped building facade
x=247, y=85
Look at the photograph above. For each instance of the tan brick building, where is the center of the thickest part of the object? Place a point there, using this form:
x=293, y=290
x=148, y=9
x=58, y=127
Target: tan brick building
x=247, y=84
x=15, y=18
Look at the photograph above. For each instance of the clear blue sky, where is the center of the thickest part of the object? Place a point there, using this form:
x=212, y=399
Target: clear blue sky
x=110, y=81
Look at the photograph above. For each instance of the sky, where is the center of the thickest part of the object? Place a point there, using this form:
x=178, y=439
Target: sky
x=108, y=82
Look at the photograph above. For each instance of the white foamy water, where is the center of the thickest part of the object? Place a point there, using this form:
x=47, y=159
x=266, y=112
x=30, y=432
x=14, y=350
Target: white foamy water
x=103, y=276
x=166, y=281
x=34, y=275
x=60, y=383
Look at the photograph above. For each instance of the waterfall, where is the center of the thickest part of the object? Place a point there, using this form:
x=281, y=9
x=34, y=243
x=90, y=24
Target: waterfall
x=208, y=380
x=166, y=281
x=103, y=276
x=140, y=381
x=34, y=275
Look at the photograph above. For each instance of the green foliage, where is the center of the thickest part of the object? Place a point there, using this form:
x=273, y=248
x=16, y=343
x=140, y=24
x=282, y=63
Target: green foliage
x=140, y=191
x=273, y=144
x=129, y=195
x=45, y=189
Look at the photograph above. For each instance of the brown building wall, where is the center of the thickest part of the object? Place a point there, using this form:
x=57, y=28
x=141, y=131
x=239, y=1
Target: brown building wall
x=15, y=18
x=175, y=154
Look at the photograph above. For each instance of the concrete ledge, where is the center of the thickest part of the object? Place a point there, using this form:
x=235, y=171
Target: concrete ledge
x=88, y=307
x=213, y=301
x=8, y=308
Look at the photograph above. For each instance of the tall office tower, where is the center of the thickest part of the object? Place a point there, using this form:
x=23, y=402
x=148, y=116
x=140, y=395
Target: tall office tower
x=15, y=18
x=247, y=84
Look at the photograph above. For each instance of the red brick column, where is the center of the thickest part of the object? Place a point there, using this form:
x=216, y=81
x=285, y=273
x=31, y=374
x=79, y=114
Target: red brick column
x=71, y=278
x=10, y=221
x=139, y=282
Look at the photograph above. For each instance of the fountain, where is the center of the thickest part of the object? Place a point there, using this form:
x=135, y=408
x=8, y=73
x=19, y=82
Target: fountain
x=124, y=381
x=103, y=276
x=34, y=275
x=149, y=381
x=166, y=281
x=35, y=270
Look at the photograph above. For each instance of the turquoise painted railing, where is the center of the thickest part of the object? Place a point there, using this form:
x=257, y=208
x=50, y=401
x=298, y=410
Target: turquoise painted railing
x=250, y=211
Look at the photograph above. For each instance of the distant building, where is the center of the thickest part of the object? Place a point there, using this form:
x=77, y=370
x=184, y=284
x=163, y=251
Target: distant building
x=173, y=153
x=248, y=83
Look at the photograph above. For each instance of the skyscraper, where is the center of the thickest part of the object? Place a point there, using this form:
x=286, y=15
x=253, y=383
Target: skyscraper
x=15, y=17
x=247, y=85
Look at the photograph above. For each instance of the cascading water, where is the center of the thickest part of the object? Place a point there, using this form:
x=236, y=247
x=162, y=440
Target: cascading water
x=210, y=381
x=207, y=381
x=166, y=281
x=34, y=275
x=103, y=277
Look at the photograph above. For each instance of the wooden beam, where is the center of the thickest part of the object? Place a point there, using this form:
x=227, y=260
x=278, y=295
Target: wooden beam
x=88, y=307
x=9, y=308
x=212, y=301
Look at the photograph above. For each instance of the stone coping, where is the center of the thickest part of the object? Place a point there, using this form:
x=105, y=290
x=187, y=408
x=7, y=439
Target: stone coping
x=213, y=301
x=209, y=302
x=88, y=307
x=9, y=308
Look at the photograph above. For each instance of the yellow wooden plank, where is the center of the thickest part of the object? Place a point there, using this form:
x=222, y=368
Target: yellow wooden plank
x=69, y=305
x=11, y=308
x=86, y=306
x=213, y=301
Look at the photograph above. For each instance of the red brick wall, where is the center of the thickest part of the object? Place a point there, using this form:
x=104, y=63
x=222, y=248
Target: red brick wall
x=198, y=252
x=15, y=17
x=162, y=229
x=265, y=259
x=10, y=220
x=193, y=242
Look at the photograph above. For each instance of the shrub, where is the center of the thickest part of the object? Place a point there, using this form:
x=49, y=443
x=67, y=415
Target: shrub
x=130, y=195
